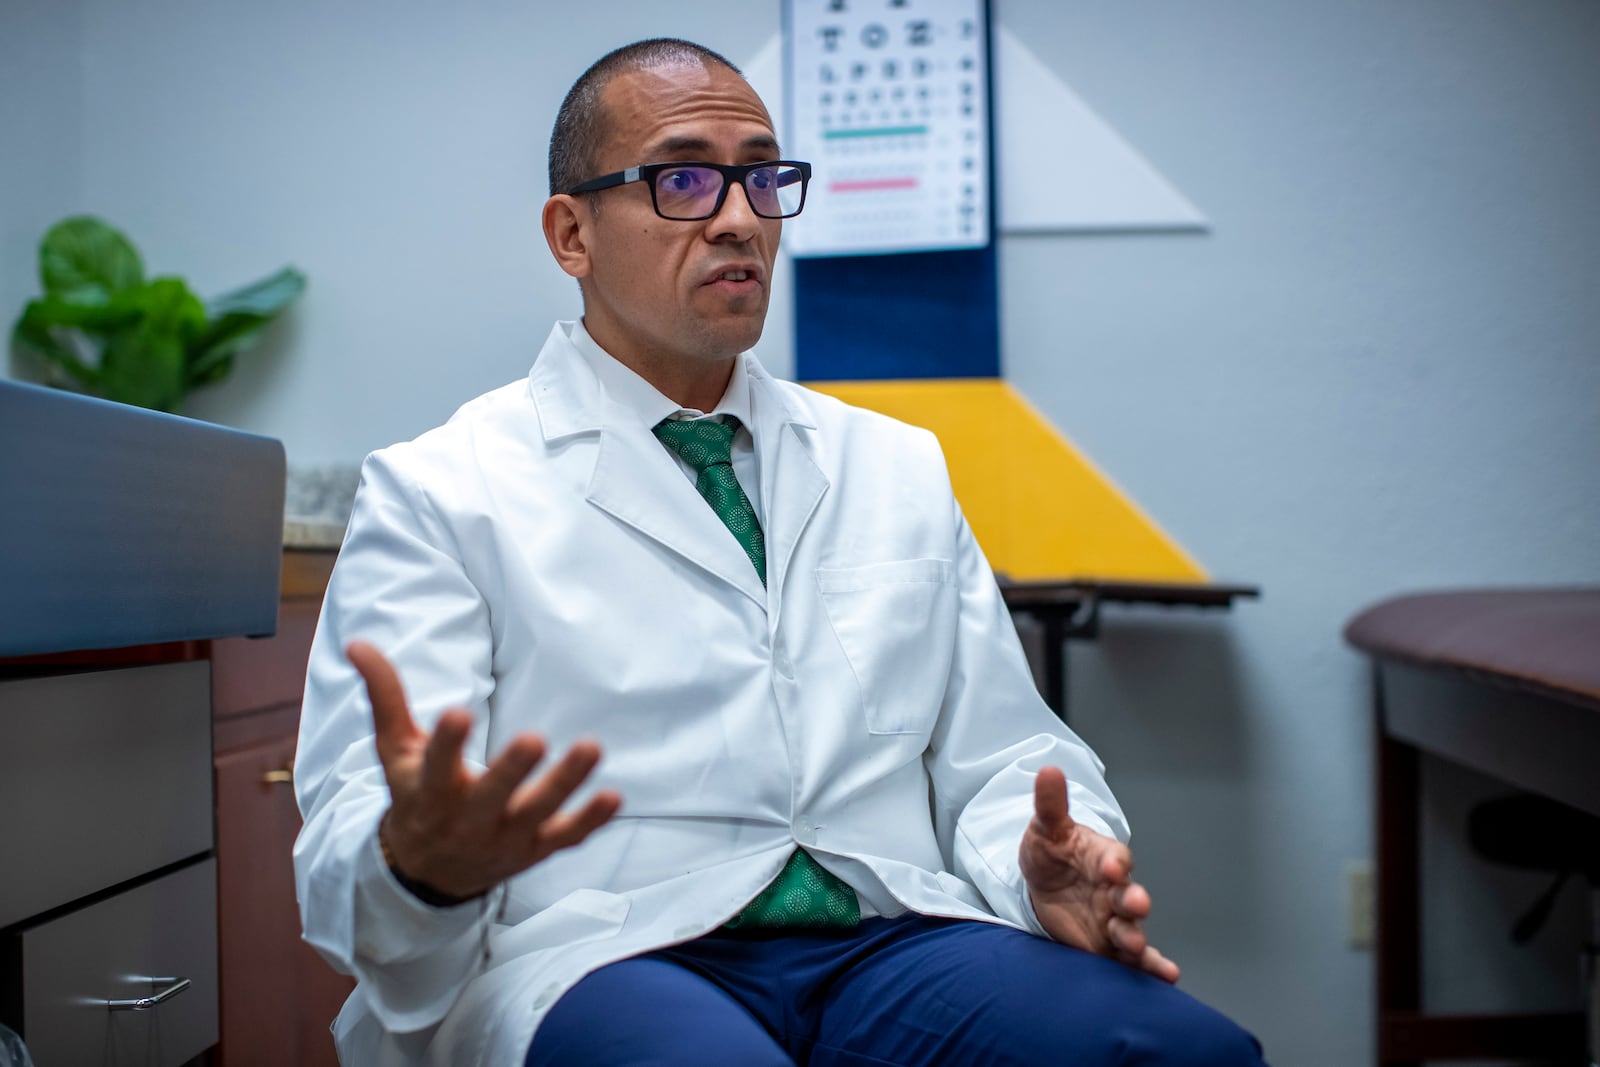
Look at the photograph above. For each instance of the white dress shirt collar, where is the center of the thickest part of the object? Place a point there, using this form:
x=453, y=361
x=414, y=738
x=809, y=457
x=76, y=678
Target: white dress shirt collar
x=640, y=399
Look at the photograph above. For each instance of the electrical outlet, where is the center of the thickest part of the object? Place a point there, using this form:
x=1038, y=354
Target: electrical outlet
x=1362, y=901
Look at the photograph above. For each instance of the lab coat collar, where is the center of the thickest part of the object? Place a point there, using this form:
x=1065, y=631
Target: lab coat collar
x=565, y=392
x=569, y=398
x=637, y=482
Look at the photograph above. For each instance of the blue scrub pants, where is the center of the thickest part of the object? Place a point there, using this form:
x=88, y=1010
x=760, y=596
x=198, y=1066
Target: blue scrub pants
x=910, y=990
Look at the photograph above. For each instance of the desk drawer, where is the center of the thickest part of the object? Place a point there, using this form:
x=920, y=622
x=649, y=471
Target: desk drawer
x=130, y=946
x=107, y=777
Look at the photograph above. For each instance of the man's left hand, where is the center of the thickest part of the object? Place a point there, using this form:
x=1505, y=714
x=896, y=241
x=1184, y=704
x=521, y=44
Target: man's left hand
x=1081, y=883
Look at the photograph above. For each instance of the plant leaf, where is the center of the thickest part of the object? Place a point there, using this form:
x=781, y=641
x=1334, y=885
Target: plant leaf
x=53, y=312
x=171, y=308
x=31, y=337
x=264, y=296
x=237, y=319
x=86, y=261
x=144, y=369
x=216, y=368
x=143, y=363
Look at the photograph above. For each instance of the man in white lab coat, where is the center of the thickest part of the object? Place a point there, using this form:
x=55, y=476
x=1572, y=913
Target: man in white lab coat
x=833, y=823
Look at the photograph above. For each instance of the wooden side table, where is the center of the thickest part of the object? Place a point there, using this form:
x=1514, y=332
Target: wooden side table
x=1507, y=683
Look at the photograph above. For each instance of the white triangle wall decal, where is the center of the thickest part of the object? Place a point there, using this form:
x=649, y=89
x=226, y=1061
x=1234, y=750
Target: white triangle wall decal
x=1061, y=167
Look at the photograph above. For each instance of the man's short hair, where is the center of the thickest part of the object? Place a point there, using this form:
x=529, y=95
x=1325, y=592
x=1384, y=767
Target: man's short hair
x=581, y=124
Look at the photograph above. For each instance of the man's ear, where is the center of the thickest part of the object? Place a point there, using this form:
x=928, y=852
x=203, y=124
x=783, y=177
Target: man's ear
x=566, y=230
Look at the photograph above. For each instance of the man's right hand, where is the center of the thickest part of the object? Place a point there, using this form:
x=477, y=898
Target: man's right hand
x=462, y=833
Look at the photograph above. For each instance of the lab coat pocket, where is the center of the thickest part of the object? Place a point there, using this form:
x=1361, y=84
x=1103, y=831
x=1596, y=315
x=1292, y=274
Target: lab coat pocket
x=895, y=623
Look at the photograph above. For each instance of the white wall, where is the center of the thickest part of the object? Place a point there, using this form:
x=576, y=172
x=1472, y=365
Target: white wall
x=1379, y=372
x=41, y=136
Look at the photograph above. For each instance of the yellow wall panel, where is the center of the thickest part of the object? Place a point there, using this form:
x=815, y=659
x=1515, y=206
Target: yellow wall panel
x=1039, y=508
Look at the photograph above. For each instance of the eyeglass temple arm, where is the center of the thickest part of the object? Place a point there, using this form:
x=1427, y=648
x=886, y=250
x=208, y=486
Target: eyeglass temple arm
x=594, y=185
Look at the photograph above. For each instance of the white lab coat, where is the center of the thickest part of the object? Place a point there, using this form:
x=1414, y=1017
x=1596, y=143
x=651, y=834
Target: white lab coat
x=542, y=561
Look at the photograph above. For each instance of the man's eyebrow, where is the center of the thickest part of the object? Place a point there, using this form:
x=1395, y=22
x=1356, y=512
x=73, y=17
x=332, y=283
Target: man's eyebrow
x=670, y=147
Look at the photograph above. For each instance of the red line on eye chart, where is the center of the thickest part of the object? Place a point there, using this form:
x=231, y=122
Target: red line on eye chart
x=874, y=185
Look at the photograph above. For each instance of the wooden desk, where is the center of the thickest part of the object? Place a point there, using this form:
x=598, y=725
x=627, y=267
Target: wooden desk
x=1506, y=682
x=131, y=540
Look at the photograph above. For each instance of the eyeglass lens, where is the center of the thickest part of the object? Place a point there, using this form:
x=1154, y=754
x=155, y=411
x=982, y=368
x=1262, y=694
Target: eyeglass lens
x=691, y=192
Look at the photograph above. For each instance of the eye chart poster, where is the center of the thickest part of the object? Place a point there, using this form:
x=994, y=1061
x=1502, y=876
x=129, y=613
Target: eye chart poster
x=888, y=100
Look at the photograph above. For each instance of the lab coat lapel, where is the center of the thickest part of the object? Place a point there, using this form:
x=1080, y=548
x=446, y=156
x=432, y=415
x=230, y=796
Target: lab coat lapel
x=636, y=481
x=791, y=483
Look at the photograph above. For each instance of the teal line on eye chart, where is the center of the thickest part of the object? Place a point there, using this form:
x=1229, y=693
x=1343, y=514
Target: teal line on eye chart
x=882, y=131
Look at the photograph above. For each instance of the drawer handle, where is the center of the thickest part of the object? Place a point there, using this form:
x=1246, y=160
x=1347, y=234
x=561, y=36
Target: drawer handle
x=283, y=777
x=174, y=987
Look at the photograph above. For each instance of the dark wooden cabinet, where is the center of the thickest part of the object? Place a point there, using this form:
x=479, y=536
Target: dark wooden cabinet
x=278, y=996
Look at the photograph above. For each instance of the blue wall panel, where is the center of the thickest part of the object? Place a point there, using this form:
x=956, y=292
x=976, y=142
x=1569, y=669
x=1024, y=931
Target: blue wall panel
x=911, y=315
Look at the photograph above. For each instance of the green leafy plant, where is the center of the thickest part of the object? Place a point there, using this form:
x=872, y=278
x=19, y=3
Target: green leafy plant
x=102, y=328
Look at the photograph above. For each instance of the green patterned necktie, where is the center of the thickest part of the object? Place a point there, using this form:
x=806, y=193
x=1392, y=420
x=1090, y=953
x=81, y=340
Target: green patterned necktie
x=707, y=446
x=805, y=894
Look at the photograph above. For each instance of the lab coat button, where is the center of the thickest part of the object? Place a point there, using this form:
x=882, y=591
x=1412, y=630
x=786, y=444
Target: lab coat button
x=805, y=832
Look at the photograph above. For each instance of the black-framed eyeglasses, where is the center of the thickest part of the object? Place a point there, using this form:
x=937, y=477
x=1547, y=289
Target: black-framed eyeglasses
x=692, y=192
